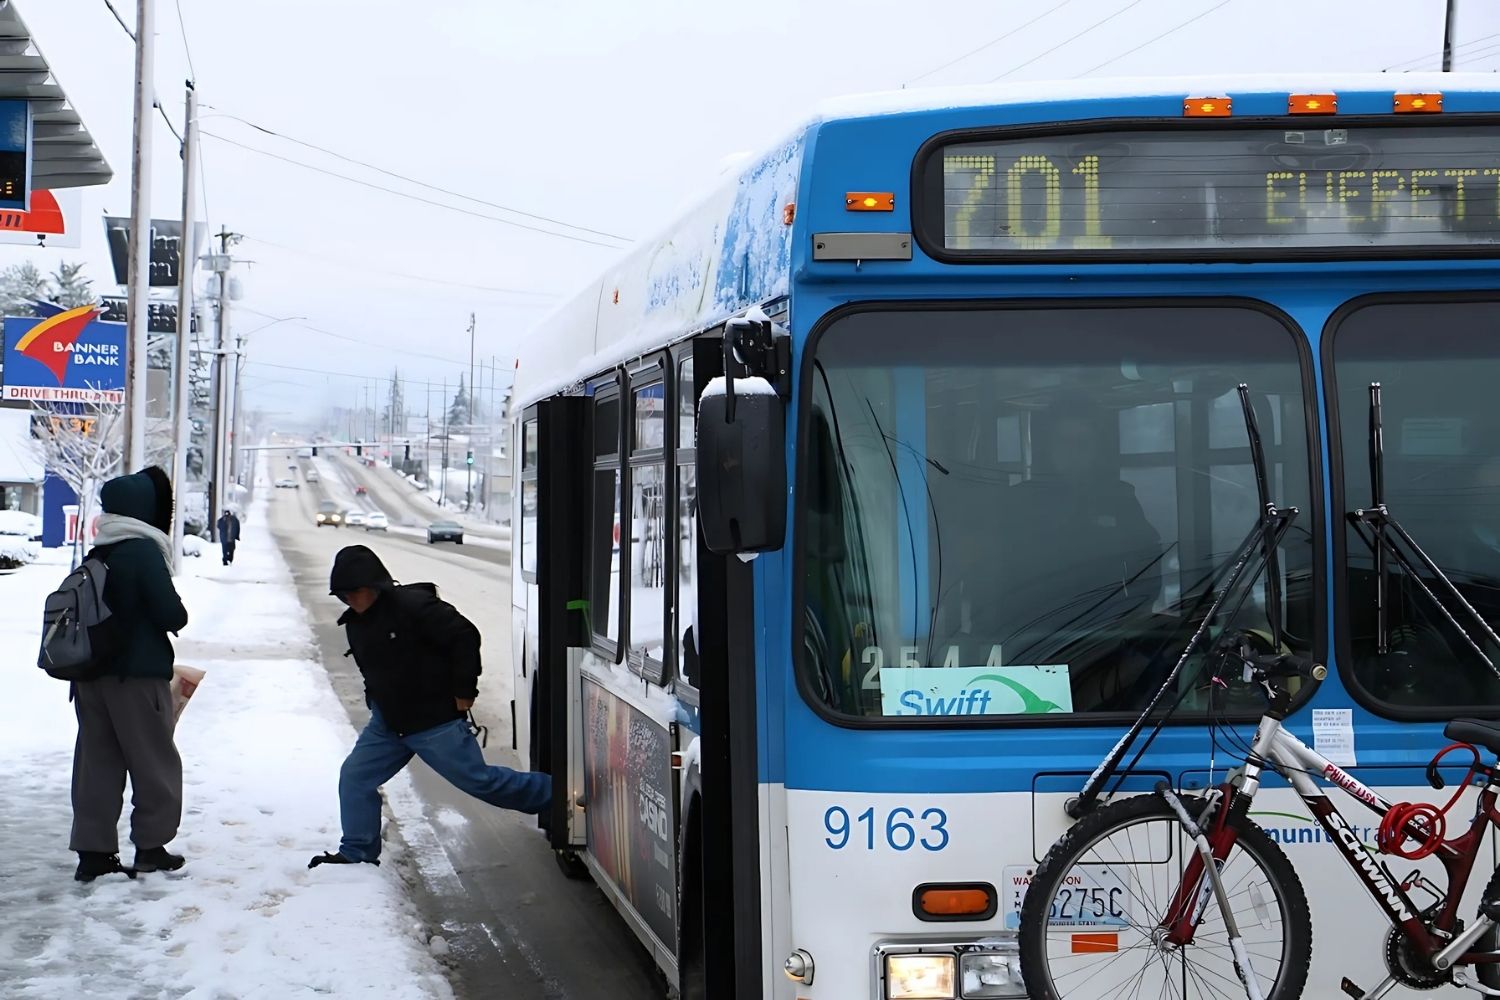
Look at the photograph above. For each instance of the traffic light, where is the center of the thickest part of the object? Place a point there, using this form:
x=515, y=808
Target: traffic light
x=408, y=453
x=315, y=451
x=359, y=448
x=470, y=459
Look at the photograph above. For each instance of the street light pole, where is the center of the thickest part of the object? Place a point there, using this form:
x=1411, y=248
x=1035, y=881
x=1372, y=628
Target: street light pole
x=469, y=463
x=138, y=283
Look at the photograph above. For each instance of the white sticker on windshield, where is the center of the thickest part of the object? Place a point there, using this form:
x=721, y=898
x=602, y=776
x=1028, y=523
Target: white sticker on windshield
x=1010, y=690
x=1333, y=735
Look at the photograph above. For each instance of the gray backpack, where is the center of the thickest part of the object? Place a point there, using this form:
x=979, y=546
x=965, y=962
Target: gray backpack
x=78, y=632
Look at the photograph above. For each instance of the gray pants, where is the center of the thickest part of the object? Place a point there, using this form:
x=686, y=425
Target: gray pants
x=124, y=726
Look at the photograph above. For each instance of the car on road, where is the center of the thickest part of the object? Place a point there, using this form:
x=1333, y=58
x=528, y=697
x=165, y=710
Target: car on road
x=377, y=521
x=445, y=531
x=355, y=518
x=287, y=484
x=328, y=513
x=360, y=491
x=312, y=475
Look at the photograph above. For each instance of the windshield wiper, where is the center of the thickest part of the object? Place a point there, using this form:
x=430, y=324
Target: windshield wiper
x=1386, y=537
x=1262, y=540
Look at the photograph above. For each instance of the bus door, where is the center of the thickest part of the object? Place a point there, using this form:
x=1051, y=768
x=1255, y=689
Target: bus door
x=548, y=629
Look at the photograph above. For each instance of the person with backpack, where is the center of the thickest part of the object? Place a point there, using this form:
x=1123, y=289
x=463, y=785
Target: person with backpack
x=420, y=661
x=122, y=694
x=229, y=534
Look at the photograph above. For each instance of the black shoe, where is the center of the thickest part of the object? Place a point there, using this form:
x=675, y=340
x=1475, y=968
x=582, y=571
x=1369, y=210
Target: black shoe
x=157, y=859
x=336, y=859
x=92, y=864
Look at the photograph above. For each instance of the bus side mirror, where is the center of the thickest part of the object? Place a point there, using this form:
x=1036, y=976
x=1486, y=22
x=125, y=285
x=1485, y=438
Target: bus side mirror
x=741, y=466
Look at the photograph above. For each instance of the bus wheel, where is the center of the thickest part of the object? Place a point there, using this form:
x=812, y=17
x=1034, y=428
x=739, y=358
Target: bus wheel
x=571, y=864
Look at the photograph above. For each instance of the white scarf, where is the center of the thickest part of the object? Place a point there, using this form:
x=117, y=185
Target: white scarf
x=117, y=528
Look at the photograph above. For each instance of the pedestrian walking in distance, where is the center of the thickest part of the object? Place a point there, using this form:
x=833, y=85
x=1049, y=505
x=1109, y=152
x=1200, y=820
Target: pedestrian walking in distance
x=125, y=717
x=420, y=661
x=229, y=534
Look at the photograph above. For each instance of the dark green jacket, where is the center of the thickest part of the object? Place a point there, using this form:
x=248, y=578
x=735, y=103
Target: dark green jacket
x=139, y=588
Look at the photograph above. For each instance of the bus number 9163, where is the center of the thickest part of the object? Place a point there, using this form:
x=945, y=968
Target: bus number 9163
x=901, y=829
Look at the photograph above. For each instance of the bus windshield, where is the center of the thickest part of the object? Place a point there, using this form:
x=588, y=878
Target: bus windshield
x=1442, y=481
x=1012, y=511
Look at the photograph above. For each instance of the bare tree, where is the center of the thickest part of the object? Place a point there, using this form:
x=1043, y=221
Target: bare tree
x=82, y=444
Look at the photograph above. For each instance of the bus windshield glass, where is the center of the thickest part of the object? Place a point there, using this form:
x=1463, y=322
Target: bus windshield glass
x=1442, y=482
x=1010, y=511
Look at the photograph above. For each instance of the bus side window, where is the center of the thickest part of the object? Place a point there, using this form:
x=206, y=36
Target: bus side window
x=648, y=524
x=604, y=575
x=687, y=522
x=528, y=523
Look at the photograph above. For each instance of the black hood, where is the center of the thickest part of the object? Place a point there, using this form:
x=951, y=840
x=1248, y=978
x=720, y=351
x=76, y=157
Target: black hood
x=145, y=496
x=357, y=566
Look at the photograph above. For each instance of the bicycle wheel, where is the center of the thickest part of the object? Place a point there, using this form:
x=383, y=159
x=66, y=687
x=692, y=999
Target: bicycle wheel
x=1091, y=921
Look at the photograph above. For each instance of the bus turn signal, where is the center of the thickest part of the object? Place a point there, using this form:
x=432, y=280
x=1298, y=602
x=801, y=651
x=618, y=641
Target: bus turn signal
x=954, y=901
x=870, y=201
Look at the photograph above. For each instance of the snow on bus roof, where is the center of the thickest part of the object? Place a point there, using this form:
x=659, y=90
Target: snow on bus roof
x=1044, y=91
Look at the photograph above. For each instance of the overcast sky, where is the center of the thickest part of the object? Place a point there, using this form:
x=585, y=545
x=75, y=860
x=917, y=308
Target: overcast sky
x=597, y=113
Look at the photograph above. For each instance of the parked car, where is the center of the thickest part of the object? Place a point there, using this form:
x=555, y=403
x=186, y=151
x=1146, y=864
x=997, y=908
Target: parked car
x=328, y=513
x=312, y=475
x=287, y=484
x=360, y=491
x=445, y=531
x=355, y=518
x=377, y=521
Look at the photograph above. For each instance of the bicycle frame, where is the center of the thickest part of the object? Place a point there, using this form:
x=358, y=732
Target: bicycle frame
x=1299, y=763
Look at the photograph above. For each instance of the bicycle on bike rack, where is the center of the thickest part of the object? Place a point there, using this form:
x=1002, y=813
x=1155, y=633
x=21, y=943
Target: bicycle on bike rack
x=1232, y=912
x=1168, y=894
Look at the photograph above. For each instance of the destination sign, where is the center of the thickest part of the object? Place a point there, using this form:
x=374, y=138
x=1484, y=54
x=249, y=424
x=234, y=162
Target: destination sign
x=1259, y=189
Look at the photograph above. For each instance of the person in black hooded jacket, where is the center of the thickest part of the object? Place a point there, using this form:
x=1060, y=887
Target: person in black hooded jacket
x=420, y=662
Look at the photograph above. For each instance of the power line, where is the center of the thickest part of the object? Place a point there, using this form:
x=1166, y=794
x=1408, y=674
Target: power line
x=1153, y=41
x=123, y=25
x=188, y=49
x=365, y=269
x=354, y=340
x=1439, y=52
x=409, y=196
x=990, y=43
x=1068, y=41
x=423, y=184
x=170, y=127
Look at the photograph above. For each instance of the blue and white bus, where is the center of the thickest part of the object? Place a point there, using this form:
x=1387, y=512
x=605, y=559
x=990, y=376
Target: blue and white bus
x=820, y=650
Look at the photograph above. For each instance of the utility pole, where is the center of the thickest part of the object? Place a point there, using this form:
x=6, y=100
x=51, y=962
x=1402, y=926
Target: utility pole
x=181, y=428
x=469, y=464
x=220, y=494
x=443, y=490
x=138, y=285
x=1448, y=36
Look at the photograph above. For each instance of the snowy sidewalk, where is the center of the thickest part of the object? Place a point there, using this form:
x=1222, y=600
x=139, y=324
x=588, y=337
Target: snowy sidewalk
x=261, y=742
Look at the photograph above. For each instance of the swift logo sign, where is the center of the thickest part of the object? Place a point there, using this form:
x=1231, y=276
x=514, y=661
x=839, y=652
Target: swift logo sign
x=1017, y=690
x=70, y=357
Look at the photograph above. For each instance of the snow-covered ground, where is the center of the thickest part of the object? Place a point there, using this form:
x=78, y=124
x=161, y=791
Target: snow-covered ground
x=261, y=743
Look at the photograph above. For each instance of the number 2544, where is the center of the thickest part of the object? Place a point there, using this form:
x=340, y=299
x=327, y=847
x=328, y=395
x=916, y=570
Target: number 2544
x=901, y=829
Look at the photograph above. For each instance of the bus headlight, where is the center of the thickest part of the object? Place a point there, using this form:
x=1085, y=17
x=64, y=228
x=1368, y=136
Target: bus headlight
x=987, y=974
x=919, y=977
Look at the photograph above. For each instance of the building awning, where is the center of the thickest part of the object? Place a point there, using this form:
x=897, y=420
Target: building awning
x=63, y=153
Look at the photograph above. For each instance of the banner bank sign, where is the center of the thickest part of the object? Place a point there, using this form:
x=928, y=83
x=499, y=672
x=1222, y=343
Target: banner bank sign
x=68, y=358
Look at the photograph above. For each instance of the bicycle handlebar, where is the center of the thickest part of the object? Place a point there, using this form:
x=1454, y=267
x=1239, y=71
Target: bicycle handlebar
x=1291, y=664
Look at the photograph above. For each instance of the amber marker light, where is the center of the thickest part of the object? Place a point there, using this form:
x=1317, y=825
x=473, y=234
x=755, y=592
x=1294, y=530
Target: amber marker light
x=1312, y=104
x=1418, y=104
x=870, y=201
x=954, y=901
x=1206, y=107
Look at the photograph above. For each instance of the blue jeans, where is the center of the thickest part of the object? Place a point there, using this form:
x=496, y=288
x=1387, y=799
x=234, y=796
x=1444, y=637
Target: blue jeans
x=450, y=750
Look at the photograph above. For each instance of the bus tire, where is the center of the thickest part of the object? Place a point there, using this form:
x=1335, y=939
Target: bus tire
x=692, y=960
x=1133, y=811
x=571, y=865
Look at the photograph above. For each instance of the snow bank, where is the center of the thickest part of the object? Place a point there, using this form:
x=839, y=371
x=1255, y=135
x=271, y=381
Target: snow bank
x=18, y=522
x=17, y=551
x=261, y=745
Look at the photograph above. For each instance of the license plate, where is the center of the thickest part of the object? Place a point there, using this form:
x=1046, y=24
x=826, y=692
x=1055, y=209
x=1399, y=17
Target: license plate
x=1092, y=897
